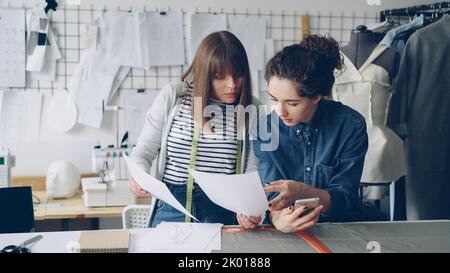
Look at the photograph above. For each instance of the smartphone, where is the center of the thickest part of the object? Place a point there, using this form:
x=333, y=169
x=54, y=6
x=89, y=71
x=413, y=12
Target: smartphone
x=310, y=203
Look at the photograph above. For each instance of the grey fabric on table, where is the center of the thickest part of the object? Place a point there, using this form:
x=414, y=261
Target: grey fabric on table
x=427, y=236
x=264, y=242
x=402, y=236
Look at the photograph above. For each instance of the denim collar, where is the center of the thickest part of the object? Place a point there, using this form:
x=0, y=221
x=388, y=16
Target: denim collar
x=315, y=123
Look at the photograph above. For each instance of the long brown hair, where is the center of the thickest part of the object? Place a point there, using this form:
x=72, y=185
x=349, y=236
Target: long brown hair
x=218, y=53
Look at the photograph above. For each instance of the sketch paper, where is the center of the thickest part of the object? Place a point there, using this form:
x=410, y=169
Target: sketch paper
x=200, y=26
x=12, y=47
x=240, y=193
x=252, y=33
x=20, y=116
x=154, y=186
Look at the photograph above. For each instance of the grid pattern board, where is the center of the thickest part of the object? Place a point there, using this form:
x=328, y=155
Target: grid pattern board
x=283, y=27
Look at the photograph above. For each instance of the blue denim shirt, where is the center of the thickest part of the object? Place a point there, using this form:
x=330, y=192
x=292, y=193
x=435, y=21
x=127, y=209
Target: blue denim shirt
x=328, y=153
x=390, y=36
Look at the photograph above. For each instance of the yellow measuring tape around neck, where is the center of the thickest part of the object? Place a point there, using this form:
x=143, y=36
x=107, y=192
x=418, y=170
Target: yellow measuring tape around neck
x=192, y=161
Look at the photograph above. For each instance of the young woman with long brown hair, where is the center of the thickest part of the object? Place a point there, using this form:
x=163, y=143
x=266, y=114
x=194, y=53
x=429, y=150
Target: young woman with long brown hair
x=194, y=123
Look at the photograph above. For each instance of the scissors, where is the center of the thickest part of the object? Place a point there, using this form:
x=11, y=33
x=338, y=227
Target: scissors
x=22, y=248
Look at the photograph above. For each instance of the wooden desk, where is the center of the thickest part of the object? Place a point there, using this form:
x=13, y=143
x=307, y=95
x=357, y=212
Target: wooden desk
x=71, y=208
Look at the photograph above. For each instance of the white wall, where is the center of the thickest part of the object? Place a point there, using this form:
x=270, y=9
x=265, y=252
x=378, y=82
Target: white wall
x=75, y=146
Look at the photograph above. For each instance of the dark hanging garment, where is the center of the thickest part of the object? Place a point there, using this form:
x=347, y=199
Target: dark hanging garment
x=423, y=104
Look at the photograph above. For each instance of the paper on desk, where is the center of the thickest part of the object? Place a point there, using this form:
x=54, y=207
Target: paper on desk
x=240, y=193
x=154, y=186
x=180, y=237
x=186, y=236
x=48, y=205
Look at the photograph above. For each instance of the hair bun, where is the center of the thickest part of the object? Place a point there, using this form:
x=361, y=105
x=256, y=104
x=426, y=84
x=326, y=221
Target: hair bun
x=326, y=47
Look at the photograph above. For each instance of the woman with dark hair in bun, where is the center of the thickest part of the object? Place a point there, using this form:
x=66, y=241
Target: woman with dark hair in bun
x=319, y=145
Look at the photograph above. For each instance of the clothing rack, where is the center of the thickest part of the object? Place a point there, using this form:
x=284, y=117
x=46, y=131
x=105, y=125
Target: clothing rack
x=415, y=10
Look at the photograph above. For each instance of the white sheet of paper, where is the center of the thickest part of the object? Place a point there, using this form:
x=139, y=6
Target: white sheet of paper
x=154, y=186
x=88, y=36
x=123, y=46
x=269, y=50
x=269, y=53
x=162, y=36
x=135, y=105
x=142, y=240
x=90, y=96
x=118, y=80
x=252, y=33
x=52, y=54
x=20, y=116
x=181, y=237
x=97, y=77
x=92, y=82
x=61, y=112
x=12, y=47
x=240, y=193
x=255, y=83
x=37, y=23
x=35, y=61
x=200, y=26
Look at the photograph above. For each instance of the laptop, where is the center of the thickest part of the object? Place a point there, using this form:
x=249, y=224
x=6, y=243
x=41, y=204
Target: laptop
x=16, y=210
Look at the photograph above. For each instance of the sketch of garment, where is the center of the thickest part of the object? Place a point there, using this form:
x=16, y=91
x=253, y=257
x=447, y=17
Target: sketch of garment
x=161, y=38
x=52, y=54
x=37, y=30
x=92, y=82
x=367, y=90
x=113, y=43
x=181, y=234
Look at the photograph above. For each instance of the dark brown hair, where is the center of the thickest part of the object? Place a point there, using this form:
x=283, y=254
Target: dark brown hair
x=310, y=64
x=218, y=53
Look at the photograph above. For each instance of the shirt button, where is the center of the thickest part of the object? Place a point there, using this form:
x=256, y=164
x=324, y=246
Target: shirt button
x=308, y=143
x=298, y=132
x=317, y=130
x=308, y=169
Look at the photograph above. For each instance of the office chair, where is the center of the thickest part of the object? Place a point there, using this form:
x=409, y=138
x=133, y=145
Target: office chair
x=137, y=216
x=16, y=210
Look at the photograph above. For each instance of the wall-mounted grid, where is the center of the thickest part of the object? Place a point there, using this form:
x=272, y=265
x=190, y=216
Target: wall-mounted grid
x=282, y=26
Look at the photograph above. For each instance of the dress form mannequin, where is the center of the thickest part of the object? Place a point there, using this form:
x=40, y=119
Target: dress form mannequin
x=365, y=85
x=362, y=43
